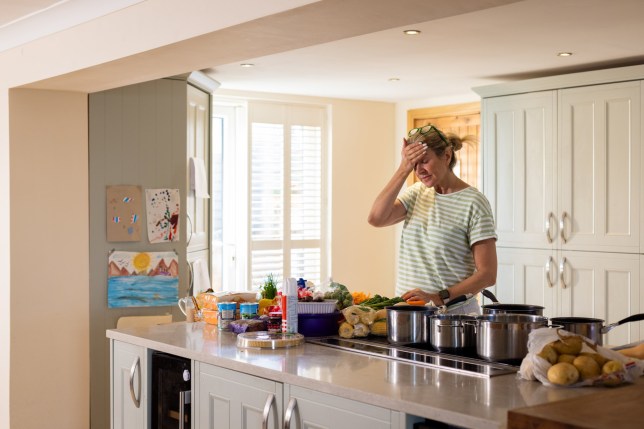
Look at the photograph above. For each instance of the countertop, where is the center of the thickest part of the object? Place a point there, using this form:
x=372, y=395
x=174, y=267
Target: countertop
x=458, y=399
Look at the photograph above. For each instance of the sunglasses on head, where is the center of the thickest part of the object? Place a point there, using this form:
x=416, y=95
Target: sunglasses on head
x=425, y=130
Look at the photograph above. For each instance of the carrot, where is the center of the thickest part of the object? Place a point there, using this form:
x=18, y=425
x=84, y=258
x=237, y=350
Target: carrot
x=416, y=302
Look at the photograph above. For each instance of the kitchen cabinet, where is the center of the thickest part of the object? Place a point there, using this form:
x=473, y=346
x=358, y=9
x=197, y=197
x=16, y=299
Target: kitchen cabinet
x=574, y=283
x=309, y=409
x=128, y=390
x=562, y=173
x=198, y=141
x=230, y=399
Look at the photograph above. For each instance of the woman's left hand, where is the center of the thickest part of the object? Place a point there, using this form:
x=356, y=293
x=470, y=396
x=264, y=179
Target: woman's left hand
x=421, y=295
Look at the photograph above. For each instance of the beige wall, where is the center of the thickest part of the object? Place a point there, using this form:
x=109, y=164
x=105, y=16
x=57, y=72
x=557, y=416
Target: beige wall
x=49, y=281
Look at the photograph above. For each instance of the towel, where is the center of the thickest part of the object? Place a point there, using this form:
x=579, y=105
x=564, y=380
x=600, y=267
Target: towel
x=198, y=178
x=201, y=278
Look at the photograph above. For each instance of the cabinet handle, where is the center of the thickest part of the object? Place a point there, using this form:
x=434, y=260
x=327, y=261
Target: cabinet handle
x=137, y=402
x=292, y=405
x=190, y=236
x=562, y=277
x=267, y=410
x=548, y=271
x=549, y=237
x=182, y=405
x=562, y=225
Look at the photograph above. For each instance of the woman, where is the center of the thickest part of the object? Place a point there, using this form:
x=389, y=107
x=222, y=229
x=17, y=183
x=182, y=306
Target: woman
x=448, y=243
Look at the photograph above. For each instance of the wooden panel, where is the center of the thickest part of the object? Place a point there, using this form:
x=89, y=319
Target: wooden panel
x=608, y=408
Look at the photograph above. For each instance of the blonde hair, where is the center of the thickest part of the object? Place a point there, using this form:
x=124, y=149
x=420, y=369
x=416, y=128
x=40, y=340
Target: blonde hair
x=438, y=145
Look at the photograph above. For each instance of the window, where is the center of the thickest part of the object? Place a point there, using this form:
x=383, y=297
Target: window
x=272, y=214
x=287, y=192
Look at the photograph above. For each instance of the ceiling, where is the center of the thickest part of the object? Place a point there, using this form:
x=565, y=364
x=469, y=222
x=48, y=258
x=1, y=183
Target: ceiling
x=453, y=53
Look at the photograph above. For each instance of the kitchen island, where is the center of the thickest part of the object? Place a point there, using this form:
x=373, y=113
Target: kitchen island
x=405, y=391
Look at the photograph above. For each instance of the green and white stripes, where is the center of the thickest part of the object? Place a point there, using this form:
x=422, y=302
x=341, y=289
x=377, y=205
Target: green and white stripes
x=438, y=233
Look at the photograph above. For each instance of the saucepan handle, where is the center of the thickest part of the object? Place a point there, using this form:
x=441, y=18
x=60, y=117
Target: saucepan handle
x=632, y=318
x=489, y=295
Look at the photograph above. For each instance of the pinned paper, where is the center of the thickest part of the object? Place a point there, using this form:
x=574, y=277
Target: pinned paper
x=124, y=205
x=162, y=210
x=198, y=178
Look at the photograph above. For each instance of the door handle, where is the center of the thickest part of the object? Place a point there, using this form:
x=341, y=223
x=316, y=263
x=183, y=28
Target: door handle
x=562, y=277
x=137, y=401
x=562, y=227
x=548, y=271
x=184, y=398
x=550, y=216
x=267, y=410
x=290, y=410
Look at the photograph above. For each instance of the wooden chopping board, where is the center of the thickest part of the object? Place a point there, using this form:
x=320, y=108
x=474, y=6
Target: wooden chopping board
x=613, y=408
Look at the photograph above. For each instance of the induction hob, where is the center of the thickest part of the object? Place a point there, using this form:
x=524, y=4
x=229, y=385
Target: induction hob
x=466, y=362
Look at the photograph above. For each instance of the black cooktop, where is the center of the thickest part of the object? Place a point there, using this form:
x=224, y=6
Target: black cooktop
x=465, y=361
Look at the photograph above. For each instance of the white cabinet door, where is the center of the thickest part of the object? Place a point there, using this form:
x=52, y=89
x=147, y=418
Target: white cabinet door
x=527, y=276
x=198, y=140
x=308, y=409
x=599, y=152
x=129, y=386
x=519, y=166
x=604, y=286
x=226, y=399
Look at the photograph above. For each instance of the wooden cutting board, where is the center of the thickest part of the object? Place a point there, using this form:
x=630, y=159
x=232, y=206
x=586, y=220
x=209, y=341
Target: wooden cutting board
x=617, y=408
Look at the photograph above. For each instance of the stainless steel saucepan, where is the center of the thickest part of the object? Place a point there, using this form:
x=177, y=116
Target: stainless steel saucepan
x=498, y=308
x=591, y=328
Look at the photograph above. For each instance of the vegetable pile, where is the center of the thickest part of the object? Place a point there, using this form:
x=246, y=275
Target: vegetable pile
x=341, y=293
x=379, y=302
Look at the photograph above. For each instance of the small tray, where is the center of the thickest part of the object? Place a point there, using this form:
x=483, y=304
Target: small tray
x=321, y=307
x=268, y=340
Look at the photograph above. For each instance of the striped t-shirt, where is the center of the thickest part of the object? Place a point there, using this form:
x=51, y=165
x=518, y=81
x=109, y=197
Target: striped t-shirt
x=437, y=237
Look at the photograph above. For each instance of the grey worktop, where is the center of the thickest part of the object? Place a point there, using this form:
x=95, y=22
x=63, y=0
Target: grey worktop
x=442, y=395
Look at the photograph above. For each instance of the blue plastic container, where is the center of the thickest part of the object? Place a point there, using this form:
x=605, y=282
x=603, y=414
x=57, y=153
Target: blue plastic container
x=318, y=325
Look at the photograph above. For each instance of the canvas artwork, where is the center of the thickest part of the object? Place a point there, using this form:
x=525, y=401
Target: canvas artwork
x=142, y=279
x=162, y=210
x=124, y=205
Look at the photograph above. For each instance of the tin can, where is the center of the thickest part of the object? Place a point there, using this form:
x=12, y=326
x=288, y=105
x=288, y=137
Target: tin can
x=226, y=315
x=275, y=321
x=248, y=310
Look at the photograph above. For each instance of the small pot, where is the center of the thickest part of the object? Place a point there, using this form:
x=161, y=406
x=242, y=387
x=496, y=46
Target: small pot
x=408, y=324
x=504, y=337
x=534, y=310
x=589, y=327
x=497, y=308
x=452, y=332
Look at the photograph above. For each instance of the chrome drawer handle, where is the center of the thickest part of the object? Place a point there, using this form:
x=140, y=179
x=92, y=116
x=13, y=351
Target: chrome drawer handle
x=290, y=410
x=137, y=401
x=562, y=225
x=551, y=216
x=548, y=271
x=562, y=278
x=267, y=410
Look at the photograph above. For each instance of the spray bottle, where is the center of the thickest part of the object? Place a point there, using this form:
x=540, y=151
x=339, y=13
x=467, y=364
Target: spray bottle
x=289, y=306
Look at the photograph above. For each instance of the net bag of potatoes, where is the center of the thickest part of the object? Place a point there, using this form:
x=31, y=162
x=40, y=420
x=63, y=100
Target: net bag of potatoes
x=560, y=358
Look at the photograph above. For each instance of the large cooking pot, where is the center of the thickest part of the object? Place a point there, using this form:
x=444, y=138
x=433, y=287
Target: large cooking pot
x=498, y=308
x=452, y=332
x=408, y=324
x=590, y=327
x=504, y=337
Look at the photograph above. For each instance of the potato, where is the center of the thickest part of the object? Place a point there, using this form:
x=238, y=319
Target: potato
x=563, y=374
x=587, y=367
x=549, y=354
x=601, y=360
x=568, y=345
x=566, y=358
x=612, y=366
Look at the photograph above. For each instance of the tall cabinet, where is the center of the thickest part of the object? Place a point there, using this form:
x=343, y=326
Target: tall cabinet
x=562, y=159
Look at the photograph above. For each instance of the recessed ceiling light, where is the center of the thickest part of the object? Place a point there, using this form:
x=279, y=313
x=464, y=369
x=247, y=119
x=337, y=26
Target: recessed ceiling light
x=564, y=54
x=411, y=32
x=247, y=65
x=394, y=79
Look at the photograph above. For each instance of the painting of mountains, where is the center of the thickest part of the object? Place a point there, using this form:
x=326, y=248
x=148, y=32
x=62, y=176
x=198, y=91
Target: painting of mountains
x=142, y=279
